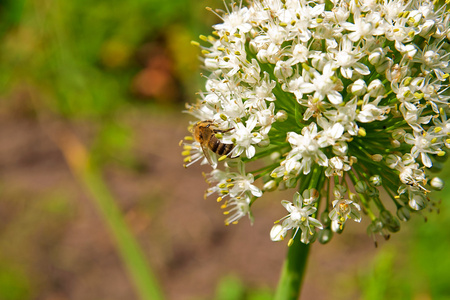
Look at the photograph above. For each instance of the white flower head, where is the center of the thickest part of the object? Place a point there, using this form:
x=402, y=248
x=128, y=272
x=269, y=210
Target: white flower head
x=318, y=97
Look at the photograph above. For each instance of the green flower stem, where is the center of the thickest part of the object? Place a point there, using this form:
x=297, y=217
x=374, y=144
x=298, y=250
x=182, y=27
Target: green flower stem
x=90, y=178
x=293, y=271
x=128, y=247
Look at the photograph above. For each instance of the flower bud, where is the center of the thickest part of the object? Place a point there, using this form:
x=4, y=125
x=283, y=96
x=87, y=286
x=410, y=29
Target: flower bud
x=340, y=149
x=353, y=197
x=372, y=192
x=361, y=187
x=277, y=233
x=392, y=160
x=375, y=180
x=253, y=47
x=403, y=213
x=390, y=222
x=336, y=227
x=417, y=201
x=291, y=183
x=376, y=88
x=262, y=56
x=339, y=191
x=377, y=157
x=310, y=238
x=325, y=219
x=211, y=64
x=358, y=88
x=275, y=155
x=375, y=57
x=281, y=116
x=376, y=225
x=426, y=27
x=398, y=134
x=437, y=183
x=270, y=186
x=395, y=143
x=383, y=66
x=325, y=235
x=283, y=70
x=264, y=142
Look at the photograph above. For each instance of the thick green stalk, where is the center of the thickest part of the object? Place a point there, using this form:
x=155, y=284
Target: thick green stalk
x=294, y=266
x=293, y=271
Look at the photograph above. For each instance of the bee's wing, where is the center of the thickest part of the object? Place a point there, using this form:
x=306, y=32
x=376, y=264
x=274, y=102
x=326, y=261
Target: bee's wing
x=212, y=160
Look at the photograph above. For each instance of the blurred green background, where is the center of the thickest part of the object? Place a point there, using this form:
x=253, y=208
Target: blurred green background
x=95, y=203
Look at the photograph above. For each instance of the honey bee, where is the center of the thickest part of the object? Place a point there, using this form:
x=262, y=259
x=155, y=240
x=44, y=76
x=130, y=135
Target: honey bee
x=205, y=133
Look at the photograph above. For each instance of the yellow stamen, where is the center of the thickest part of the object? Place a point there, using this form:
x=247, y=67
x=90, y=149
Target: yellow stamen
x=362, y=132
x=418, y=95
x=407, y=81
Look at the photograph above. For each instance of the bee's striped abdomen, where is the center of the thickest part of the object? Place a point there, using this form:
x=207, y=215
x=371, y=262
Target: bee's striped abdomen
x=218, y=147
x=224, y=149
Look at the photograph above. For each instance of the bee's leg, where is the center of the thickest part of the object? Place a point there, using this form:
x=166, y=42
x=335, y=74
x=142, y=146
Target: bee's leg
x=222, y=131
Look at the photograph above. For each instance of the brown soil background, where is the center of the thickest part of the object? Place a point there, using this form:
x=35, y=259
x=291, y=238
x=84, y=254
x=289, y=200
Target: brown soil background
x=65, y=252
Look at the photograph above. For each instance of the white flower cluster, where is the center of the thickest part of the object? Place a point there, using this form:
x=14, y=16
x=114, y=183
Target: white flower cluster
x=350, y=96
